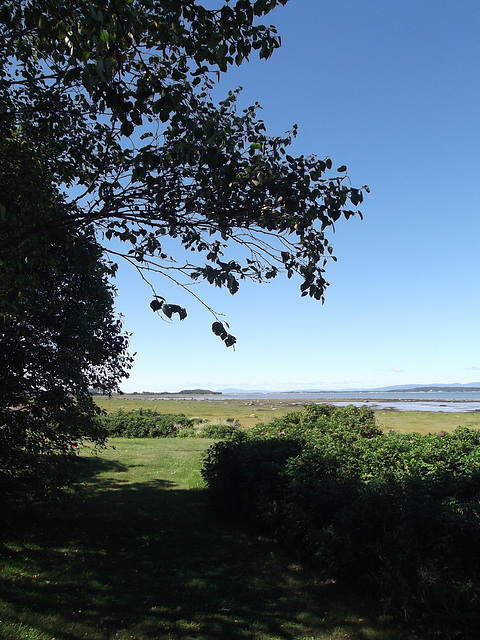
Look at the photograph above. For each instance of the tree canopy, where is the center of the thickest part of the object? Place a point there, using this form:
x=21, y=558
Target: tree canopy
x=114, y=100
x=59, y=333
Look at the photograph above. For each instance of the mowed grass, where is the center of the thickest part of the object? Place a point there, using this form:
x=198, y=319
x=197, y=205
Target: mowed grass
x=249, y=412
x=140, y=555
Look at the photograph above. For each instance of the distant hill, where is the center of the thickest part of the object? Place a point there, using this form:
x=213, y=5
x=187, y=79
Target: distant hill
x=437, y=389
x=198, y=392
x=445, y=388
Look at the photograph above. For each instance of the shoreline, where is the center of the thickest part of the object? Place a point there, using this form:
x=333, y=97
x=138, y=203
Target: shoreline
x=265, y=402
x=299, y=401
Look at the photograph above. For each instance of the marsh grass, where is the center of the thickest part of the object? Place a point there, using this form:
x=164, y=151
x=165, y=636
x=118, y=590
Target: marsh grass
x=212, y=410
x=426, y=421
x=139, y=555
x=266, y=410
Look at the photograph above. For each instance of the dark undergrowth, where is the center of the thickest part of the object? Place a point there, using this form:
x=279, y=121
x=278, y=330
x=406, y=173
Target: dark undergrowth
x=395, y=514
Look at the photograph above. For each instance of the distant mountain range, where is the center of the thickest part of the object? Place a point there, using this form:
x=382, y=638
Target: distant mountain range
x=456, y=386
x=440, y=387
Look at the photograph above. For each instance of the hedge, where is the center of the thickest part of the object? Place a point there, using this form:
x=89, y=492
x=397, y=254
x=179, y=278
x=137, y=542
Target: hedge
x=397, y=514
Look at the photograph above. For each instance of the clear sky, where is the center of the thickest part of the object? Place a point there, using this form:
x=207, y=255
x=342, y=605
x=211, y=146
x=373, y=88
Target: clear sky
x=391, y=89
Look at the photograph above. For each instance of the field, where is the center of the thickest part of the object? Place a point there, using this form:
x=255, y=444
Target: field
x=250, y=412
x=141, y=556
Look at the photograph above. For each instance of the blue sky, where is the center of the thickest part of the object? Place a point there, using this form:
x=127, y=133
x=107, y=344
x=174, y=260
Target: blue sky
x=391, y=89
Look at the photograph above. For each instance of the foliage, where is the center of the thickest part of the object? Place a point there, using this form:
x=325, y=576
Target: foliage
x=114, y=99
x=148, y=423
x=59, y=335
x=323, y=418
x=63, y=340
x=397, y=513
x=218, y=429
x=143, y=423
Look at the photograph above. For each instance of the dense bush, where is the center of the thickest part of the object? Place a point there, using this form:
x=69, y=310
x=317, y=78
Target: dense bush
x=223, y=430
x=397, y=513
x=144, y=423
x=147, y=423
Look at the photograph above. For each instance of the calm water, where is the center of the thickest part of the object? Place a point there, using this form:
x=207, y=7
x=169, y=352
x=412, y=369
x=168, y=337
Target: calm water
x=388, y=400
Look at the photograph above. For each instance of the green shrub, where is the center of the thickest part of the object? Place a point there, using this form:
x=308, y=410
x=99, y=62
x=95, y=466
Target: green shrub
x=145, y=423
x=324, y=418
x=217, y=430
x=397, y=513
x=244, y=479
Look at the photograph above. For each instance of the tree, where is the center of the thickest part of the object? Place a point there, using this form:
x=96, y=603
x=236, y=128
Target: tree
x=115, y=100
x=59, y=335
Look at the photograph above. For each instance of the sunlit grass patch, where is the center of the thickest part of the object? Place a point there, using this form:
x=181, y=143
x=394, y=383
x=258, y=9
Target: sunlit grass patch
x=426, y=421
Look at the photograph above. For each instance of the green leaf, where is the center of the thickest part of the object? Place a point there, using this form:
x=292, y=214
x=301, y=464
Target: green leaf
x=74, y=73
x=342, y=168
x=5, y=14
x=259, y=7
x=182, y=313
x=229, y=340
x=167, y=310
x=127, y=128
x=136, y=117
x=232, y=284
x=218, y=328
x=156, y=305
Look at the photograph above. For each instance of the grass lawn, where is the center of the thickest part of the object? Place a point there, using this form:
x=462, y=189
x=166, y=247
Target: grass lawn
x=139, y=555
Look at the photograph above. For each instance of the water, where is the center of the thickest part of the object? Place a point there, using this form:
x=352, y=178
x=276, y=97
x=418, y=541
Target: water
x=458, y=401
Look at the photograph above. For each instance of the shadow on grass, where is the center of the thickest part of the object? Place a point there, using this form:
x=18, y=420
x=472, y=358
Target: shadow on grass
x=149, y=561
